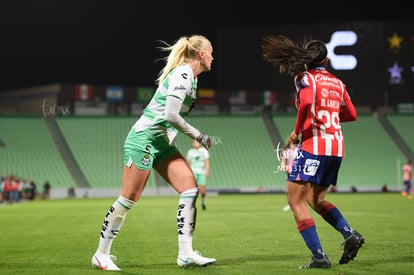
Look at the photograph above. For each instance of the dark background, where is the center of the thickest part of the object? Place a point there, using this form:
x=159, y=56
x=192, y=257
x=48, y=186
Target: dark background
x=114, y=42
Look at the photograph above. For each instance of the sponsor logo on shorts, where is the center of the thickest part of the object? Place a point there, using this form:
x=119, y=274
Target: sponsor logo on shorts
x=311, y=167
x=145, y=160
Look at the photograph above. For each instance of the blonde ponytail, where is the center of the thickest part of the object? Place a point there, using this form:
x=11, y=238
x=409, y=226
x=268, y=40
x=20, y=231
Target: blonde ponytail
x=184, y=49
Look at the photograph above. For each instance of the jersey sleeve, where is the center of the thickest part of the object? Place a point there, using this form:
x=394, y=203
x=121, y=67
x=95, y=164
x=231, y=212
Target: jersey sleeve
x=172, y=115
x=180, y=82
x=304, y=101
x=347, y=111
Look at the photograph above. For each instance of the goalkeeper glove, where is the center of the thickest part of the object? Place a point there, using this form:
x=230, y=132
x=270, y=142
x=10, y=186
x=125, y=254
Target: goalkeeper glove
x=204, y=140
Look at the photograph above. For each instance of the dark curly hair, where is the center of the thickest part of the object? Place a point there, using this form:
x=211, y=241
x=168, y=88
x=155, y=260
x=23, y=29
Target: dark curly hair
x=290, y=56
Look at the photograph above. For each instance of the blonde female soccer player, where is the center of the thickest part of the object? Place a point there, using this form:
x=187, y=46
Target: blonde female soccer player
x=151, y=144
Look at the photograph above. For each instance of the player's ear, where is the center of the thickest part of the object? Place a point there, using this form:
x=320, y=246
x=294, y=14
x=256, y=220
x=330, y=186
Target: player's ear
x=201, y=54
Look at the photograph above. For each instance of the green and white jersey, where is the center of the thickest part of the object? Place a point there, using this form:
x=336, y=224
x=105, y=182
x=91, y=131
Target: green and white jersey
x=197, y=159
x=179, y=83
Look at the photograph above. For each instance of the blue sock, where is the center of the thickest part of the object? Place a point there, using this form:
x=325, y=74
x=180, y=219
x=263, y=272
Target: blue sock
x=308, y=231
x=333, y=216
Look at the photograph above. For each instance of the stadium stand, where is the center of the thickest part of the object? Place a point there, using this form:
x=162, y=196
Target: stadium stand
x=371, y=157
x=30, y=153
x=96, y=143
x=285, y=124
x=243, y=158
x=403, y=125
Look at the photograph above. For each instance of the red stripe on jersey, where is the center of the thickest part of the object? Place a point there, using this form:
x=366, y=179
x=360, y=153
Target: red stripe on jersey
x=322, y=103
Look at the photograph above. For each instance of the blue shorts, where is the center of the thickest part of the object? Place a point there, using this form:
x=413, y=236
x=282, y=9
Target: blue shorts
x=321, y=170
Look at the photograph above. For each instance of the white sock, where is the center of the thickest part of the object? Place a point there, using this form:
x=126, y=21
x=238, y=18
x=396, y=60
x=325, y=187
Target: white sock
x=186, y=221
x=113, y=221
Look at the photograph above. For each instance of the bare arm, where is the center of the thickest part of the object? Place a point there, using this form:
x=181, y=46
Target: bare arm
x=207, y=161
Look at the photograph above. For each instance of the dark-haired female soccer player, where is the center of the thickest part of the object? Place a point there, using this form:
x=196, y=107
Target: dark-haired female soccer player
x=323, y=104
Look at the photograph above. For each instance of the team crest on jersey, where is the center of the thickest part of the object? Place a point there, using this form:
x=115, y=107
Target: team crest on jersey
x=311, y=167
x=145, y=160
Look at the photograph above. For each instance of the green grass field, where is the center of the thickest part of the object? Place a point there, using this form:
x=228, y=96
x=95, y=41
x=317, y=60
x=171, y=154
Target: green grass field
x=247, y=234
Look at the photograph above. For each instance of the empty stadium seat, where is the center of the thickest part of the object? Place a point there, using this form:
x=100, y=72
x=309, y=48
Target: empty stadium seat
x=29, y=152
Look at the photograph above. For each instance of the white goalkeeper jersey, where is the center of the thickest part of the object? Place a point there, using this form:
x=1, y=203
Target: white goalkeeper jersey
x=179, y=83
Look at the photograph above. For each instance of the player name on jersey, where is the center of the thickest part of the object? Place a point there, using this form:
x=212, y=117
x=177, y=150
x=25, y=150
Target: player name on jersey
x=329, y=103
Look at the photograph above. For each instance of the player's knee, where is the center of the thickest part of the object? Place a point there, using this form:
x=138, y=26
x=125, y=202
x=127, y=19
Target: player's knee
x=192, y=191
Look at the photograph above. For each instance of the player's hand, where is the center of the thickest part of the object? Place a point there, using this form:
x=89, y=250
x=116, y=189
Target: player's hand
x=294, y=138
x=204, y=140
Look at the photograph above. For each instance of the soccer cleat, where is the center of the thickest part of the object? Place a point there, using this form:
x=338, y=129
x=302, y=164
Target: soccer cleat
x=104, y=261
x=194, y=259
x=351, y=246
x=318, y=263
x=204, y=206
x=286, y=208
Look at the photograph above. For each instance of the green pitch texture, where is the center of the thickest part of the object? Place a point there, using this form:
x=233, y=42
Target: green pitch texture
x=247, y=234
